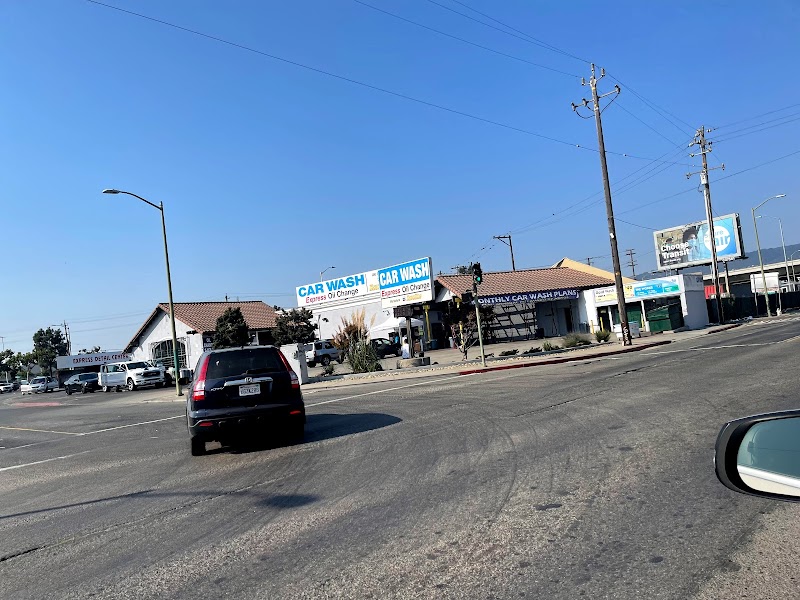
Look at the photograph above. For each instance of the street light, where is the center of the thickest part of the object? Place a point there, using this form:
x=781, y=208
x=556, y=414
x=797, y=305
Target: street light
x=176, y=364
x=321, y=273
x=791, y=257
x=760, y=259
x=783, y=244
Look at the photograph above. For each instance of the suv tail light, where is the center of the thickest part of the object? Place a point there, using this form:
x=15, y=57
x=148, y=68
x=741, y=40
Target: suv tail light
x=292, y=375
x=199, y=388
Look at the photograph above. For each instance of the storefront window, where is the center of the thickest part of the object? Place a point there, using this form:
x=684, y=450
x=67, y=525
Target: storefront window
x=161, y=352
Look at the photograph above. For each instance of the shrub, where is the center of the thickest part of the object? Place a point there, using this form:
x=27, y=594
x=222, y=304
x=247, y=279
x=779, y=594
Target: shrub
x=547, y=346
x=533, y=350
x=573, y=340
x=509, y=352
x=328, y=369
x=601, y=335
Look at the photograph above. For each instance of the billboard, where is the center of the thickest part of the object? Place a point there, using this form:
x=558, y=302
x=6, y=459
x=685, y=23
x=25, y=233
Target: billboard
x=407, y=283
x=88, y=360
x=690, y=244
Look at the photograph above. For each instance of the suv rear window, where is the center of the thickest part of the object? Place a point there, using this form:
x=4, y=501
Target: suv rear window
x=244, y=361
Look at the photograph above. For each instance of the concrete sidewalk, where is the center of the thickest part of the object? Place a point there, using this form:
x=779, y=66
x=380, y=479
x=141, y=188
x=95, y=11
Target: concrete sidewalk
x=451, y=361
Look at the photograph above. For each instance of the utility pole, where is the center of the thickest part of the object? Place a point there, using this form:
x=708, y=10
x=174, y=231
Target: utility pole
x=589, y=260
x=612, y=232
x=705, y=148
x=631, y=263
x=67, y=339
x=503, y=239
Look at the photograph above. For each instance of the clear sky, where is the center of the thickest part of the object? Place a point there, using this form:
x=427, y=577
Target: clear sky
x=270, y=172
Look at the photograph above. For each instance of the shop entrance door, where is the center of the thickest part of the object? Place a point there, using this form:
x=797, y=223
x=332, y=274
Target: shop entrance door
x=568, y=319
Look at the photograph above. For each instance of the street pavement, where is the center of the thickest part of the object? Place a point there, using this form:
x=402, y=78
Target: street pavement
x=586, y=479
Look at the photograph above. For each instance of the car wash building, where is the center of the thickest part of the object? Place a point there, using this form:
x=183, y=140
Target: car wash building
x=530, y=303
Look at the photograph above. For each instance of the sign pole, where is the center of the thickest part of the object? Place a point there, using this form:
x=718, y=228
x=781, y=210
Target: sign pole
x=410, y=338
x=478, y=319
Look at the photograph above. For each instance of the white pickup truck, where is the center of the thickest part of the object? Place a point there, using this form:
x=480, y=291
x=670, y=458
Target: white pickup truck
x=39, y=384
x=129, y=374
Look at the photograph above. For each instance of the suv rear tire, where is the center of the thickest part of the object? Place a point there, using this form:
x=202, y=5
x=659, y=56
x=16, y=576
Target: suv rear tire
x=198, y=446
x=326, y=360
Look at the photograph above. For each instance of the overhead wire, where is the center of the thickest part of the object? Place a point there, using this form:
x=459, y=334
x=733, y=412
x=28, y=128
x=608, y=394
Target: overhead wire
x=771, y=112
x=734, y=137
x=465, y=41
x=361, y=83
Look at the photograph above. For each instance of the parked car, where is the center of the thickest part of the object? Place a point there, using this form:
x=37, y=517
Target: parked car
x=16, y=384
x=240, y=391
x=6, y=387
x=132, y=375
x=323, y=352
x=384, y=347
x=83, y=383
x=39, y=385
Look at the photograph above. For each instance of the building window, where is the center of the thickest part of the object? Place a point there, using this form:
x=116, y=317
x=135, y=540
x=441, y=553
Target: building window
x=161, y=352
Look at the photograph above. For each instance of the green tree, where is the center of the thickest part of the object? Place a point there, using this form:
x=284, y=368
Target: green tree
x=93, y=350
x=25, y=362
x=7, y=365
x=231, y=330
x=47, y=344
x=295, y=327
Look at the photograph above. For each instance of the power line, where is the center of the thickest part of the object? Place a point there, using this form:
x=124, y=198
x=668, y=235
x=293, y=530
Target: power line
x=727, y=139
x=527, y=38
x=368, y=85
x=634, y=225
x=646, y=124
x=771, y=112
x=541, y=42
x=465, y=41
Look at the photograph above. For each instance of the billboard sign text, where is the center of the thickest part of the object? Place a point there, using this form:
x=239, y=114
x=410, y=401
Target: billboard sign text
x=88, y=360
x=339, y=291
x=549, y=296
x=407, y=283
x=690, y=244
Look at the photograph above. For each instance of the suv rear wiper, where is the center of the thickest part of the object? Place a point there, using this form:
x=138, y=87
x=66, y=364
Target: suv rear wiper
x=256, y=371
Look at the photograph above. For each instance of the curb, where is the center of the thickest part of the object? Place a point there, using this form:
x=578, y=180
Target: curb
x=557, y=361
x=734, y=326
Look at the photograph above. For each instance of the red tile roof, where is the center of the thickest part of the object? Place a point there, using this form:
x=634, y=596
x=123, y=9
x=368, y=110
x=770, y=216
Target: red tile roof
x=202, y=316
x=529, y=280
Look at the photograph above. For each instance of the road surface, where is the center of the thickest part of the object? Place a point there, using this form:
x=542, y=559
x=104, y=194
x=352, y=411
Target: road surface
x=588, y=479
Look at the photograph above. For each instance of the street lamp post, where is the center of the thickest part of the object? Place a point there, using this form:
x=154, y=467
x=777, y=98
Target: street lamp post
x=760, y=259
x=791, y=257
x=321, y=273
x=783, y=244
x=176, y=364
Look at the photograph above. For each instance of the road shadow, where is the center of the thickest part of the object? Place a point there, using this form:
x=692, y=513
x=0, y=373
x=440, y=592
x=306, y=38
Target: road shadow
x=318, y=428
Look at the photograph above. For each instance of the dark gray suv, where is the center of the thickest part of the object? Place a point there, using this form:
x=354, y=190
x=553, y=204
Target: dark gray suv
x=240, y=392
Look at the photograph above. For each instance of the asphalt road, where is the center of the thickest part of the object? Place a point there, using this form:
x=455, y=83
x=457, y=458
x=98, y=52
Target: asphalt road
x=588, y=479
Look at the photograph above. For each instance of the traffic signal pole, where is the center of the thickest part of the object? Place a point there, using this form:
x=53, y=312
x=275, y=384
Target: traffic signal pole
x=477, y=277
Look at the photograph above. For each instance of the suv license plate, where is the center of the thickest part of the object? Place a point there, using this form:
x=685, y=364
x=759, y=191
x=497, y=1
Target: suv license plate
x=250, y=390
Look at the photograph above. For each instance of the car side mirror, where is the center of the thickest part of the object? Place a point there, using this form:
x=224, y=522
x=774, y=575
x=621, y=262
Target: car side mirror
x=760, y=455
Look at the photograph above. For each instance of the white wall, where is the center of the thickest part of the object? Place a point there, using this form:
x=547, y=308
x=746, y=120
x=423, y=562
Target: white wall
x=372, y=310
x=159, y=330
x=695, y=311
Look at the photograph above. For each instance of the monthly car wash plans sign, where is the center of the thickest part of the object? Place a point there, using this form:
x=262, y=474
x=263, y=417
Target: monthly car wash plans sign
x=408, y=283
x=532, y=297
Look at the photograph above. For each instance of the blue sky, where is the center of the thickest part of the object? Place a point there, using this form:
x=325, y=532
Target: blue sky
x=270, y=172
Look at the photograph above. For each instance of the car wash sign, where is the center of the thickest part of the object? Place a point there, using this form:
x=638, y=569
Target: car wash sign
x=91, y=360
x=352, y=289
x=530, y=297
x=408, y=283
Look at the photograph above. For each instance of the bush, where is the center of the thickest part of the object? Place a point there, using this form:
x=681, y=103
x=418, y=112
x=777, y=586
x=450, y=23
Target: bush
x=328, y=369
x=509, y=352
x=533, y=350
x=362, y=356
x=601, y=335
x=547, y=346
x=573, y=340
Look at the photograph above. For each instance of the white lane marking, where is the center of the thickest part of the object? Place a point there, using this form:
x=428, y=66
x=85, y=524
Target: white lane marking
x=40, y=430
x=39, y=462
x=394, y=389
x=699, y=349
x=132, y=425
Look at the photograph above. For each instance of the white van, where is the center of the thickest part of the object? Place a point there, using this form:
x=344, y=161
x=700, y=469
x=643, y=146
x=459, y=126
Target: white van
x=129, y=374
